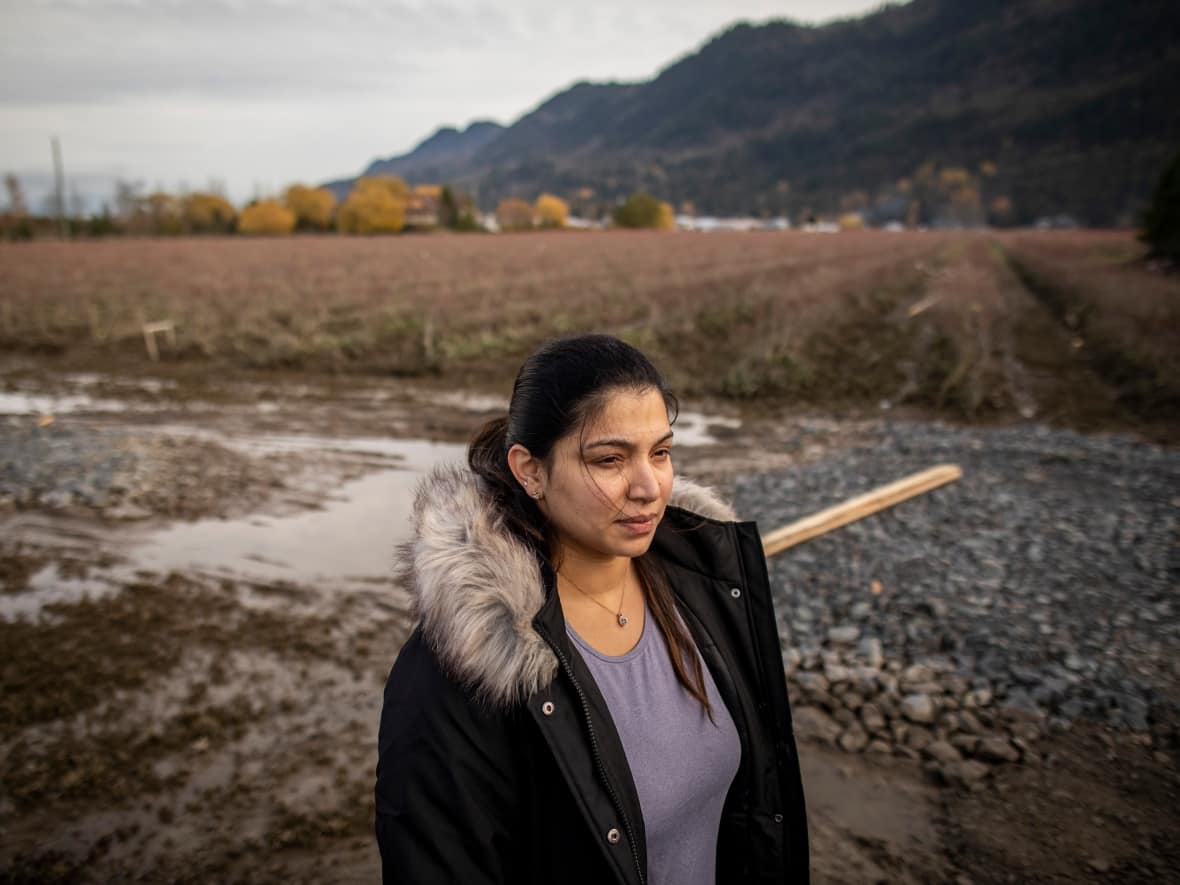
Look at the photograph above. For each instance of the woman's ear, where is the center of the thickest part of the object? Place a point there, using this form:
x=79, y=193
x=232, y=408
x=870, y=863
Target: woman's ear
x=529, y=471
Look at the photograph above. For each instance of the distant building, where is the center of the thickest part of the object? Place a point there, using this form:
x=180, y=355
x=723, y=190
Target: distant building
x=709, y=223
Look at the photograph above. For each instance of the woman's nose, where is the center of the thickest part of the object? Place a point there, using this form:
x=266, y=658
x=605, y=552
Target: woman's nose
x=645, y=485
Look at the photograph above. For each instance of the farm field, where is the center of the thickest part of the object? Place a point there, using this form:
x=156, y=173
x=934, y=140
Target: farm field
x=1068, y=328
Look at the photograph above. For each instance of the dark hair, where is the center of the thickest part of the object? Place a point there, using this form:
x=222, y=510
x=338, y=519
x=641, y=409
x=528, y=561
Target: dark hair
x=561, y=387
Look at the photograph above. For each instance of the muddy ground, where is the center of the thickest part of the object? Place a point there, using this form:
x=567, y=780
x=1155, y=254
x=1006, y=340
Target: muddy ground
x=197, y=631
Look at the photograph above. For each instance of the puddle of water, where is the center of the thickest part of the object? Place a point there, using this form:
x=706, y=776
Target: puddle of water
x=44, y=404
x=49, y=587
x=692, y=428
x=468, y=401
x=351, y=539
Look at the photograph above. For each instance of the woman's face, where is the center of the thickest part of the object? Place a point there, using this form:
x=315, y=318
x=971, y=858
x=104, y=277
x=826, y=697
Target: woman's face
x=608, y=483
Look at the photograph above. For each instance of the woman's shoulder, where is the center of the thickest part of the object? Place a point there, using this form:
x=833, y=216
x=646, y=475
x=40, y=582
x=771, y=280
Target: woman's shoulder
x=423, y=697
x=475, y=589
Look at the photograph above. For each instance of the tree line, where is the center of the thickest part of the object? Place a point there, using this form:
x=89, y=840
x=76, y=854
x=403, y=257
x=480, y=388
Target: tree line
x=379, y=204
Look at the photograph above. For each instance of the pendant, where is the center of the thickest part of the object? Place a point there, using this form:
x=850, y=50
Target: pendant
x=622, y=619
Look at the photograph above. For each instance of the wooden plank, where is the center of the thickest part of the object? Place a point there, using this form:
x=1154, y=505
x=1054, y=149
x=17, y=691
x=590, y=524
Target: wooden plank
x=859, y=507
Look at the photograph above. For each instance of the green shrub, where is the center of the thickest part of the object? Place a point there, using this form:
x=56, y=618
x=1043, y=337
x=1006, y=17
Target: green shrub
x=1161, y=222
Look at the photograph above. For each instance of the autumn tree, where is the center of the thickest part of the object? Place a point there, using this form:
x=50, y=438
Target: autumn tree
x=266, y=217
x=551, y=211
x=207, y=213
x=643, y=210
x=514, y=214
x=377, y=204
x=666, y=219
x=313, y=206
x=164, y=213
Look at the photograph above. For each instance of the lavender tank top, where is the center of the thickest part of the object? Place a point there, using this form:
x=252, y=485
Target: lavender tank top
x=682, y=764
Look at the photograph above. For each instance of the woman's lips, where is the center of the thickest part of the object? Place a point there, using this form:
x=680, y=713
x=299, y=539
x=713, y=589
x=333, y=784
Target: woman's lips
x=639, y=525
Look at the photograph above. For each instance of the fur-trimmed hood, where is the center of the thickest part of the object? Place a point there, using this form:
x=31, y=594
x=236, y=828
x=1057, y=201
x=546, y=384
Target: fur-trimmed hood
x=476, y=588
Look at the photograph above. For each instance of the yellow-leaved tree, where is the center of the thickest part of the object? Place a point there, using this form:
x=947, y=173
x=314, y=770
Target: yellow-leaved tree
x=376, y=205
x=551, y=211
x=313, y=206
x=207, y=213
x=266, y=217
x=514, y=214
x=666, y=220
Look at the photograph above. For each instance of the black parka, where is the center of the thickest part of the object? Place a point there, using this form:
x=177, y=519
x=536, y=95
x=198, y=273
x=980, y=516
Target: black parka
x=509, y=770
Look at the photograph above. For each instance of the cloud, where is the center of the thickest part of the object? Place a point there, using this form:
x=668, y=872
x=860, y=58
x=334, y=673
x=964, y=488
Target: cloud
x=263, y=92
x=64, y=52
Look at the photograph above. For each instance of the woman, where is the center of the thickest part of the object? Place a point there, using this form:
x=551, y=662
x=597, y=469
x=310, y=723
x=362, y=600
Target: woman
x=594, y=691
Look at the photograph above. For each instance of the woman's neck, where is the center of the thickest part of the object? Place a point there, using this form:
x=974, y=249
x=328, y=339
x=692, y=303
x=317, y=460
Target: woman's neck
x=596, y=576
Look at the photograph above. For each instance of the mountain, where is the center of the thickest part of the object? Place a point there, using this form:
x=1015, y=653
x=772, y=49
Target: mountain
x=441, y=157
x=1034, y=108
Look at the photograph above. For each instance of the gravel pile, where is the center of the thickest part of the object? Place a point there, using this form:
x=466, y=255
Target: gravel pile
x=1038, y=590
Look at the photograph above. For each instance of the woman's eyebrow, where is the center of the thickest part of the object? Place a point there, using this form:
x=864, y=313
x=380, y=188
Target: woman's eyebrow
x=623, y=443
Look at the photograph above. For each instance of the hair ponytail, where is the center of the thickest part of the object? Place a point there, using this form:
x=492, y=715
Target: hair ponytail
x=487, y=456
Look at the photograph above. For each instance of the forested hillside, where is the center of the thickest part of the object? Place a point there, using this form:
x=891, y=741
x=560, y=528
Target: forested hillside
x=938, y=111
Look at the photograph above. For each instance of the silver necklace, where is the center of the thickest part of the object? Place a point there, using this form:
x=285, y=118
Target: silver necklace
x=619, y=616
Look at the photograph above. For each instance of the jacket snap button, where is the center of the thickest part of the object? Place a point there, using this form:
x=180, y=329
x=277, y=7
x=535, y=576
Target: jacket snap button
x=612, y=836
x=778, y=818
x=735, y=592
x=547, y=708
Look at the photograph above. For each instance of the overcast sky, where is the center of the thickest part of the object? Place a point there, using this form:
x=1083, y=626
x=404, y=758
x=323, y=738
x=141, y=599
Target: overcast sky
x=257, y=94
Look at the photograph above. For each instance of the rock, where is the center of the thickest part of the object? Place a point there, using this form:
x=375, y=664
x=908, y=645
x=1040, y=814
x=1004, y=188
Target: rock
x=871, y=718
x=1020, y=703
x=965, y=743
x=1099, y=864
x=997, y=749
x=1026, y=731
x=852, y=700
x=968, y=722
x=966, y=773
x=813, y=724
x=837, y=673
x=862, y=610
x=980, y=697
x=854, y=739
x=1027, y=755
x=942, y=752
x=871, y=652
x=844, y=635
x=936, y=607
x=811, y=683
x=825, y=700
x=917, y=673
x=865, y=679
x=918, y=708
x=918, y=738
x=791, y=661
x=878, y=746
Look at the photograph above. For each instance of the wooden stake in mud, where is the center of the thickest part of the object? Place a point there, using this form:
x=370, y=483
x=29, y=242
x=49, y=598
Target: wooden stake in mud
x=859, y=507
x=151, y=330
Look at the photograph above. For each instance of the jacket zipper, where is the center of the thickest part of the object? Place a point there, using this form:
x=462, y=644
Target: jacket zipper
x=614, y=797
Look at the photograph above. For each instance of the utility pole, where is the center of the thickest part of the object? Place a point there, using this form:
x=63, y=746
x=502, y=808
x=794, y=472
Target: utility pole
x=60, y=189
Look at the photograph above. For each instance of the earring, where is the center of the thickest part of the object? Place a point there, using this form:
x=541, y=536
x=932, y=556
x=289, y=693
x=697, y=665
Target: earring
x=537, y=494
